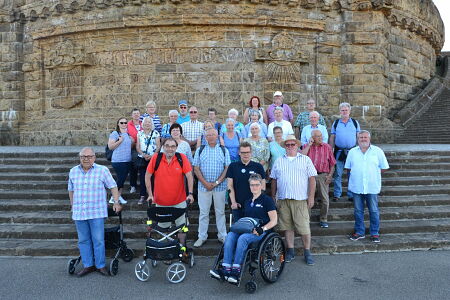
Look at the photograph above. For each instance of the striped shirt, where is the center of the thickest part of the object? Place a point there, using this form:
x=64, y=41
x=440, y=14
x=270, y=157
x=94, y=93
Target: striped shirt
x=192, y=130
x=156, y=121
x=89, y=194
x=212, y=163
x=292, y=176
x=322, y=157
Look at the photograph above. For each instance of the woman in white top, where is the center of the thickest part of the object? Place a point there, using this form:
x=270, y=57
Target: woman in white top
x=147, y=143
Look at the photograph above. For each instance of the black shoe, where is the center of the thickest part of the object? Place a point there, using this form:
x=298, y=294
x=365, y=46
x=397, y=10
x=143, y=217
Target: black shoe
x=335, y=199
x=350, y=199
x=375, y=238
x=355, y=237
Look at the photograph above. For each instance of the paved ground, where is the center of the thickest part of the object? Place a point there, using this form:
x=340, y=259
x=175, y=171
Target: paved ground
x=400, y=275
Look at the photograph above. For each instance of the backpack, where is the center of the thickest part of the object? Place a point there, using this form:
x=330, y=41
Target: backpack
x=158, y=162
x=202, y=147
x=109, y=152
x=335, y=123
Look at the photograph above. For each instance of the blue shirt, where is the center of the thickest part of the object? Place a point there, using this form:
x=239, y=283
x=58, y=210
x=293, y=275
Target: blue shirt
x=181, y=120
x=365, y=170
x=307, y=132
x=123, y=152
x=212, y=162
x=259, y=208
x=232, y=145
x=262, y=132
x=345, y=133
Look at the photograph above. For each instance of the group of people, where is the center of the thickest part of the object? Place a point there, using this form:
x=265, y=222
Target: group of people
x=232, y=162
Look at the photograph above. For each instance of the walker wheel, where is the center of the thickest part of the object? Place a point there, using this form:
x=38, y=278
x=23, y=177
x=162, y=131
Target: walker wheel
x=250, y=287
x=176, y=272
x=142, y=271
x=128, y=255
x=71, y=266
x=114, y=267
x=191, y=260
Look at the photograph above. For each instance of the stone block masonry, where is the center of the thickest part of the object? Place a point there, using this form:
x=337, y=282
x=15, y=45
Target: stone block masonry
x=70, y=69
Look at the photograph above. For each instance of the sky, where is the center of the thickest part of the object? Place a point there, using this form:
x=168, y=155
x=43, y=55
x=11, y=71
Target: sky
x=444, y=10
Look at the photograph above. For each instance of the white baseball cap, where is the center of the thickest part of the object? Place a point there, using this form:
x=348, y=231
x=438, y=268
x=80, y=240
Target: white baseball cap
x=277, y=93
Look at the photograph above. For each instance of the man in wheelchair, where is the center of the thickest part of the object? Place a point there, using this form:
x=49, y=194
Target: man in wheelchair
x=259, y=207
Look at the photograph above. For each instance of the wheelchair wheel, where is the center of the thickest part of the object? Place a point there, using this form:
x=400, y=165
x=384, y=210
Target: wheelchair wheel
x=176, y=272
x=127, y=255
x=142, y=271
x=114, y=267
x=72, y=265
x=271, y=258
x=250, y=287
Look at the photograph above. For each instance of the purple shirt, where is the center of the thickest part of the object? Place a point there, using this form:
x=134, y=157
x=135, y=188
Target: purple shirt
x=89, y=193
x=287, y=113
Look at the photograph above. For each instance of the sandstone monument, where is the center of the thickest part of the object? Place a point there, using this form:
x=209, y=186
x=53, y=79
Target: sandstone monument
x=69, y=68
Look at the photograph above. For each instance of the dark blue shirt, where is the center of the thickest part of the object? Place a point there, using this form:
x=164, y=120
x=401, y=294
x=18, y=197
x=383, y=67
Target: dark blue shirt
x=240, y=174
x=259, y=208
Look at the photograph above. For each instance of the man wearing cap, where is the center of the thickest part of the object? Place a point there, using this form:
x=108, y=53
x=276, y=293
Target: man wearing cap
x=183, y=116
x=293, y=187
x=278, y=102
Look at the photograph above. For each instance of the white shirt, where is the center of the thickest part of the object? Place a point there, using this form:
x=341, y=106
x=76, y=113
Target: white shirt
x=365, y=169
x=292, y=176
x=285, y=125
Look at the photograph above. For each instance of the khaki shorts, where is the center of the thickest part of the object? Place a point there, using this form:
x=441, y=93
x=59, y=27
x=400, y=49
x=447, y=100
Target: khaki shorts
x=179, y=221
x=293, y=215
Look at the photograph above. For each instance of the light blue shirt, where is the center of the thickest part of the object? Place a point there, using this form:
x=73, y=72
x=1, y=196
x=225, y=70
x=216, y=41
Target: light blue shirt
x=262, y=132
x=345, y=133
x=212, y=162
x=365, y=169
x=181, y=120
x=307, y=131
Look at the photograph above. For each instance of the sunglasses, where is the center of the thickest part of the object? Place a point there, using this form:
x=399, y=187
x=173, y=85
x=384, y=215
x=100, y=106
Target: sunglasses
x=183, y=107
x=290, y=145
x=123, y=123
x=193, y=112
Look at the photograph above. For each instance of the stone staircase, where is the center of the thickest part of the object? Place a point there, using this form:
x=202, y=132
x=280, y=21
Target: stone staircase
x=432, y=126
x=35, y=212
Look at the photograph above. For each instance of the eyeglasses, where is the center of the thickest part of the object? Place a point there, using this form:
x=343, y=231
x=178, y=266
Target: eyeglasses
x=246, y=152
x=255, y=184
x=170, y=146
x=290, y=145
x=87, y=156
x=123, y=123
x=193, y=112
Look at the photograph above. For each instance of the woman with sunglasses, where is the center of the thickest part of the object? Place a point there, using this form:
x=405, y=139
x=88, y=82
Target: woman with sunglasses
x=121, y=143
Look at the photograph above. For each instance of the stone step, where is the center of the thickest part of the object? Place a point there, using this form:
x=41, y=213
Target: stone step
x=320, y=245
x=48, y=205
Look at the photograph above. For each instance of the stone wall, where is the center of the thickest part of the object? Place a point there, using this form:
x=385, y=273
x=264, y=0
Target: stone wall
x=86, y=63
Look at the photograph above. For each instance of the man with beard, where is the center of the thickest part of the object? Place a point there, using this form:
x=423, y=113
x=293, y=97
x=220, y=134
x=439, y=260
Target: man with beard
x=366, y=162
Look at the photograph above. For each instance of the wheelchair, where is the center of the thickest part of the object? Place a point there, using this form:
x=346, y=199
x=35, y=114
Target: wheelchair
x=267, y=255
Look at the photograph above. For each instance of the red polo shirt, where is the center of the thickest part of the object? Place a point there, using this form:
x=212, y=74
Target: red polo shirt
x=169, y=180
x=132, y=131
x=322, y=157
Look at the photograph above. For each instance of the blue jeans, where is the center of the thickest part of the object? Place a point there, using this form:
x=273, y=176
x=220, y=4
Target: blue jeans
x=236, y=245
x=338, y=171
x=372, y=204
x=91, y=241
x=122, y=169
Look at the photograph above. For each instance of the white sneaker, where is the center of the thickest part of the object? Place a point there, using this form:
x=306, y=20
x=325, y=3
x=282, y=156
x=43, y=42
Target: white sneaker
x=121, y=200
x=221, y=240
x=199, y=243
x=132, y=190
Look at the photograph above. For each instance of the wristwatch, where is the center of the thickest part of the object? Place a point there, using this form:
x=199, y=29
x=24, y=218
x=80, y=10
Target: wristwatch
x=191, y=193
x=217, y=182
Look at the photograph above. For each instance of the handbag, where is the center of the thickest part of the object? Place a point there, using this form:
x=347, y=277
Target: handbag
x=245, y=225
x=109, y=152
x=140, y=162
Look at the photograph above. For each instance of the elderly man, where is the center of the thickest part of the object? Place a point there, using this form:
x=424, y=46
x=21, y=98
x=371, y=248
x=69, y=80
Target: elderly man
x=285, y=125
x=168, y=187
x=183, y=116
x=365, y=163
x=87, y=183
x=314, y=117
x=210, y=165
x=192, y=129
x=303, y=118
x=237, y=175
x=278, y=102
x=323, y=159
x=293, y=185
x=342, y=139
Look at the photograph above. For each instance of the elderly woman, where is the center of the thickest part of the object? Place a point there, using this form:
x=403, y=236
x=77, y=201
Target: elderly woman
x=201, y=140
x=276, y=147
x=173, y=115
x=231, y=139
x=254, y=105
x=150, y=107
x=121, y=143
x=254, y=118
x=238, y=126
x=261, y=207
x=176, y=132
x=147, y=143
x=260, y=146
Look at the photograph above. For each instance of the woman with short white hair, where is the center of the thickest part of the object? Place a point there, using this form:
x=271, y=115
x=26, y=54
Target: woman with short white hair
x=260, y=146
x=238, y=126
x=150, y=108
